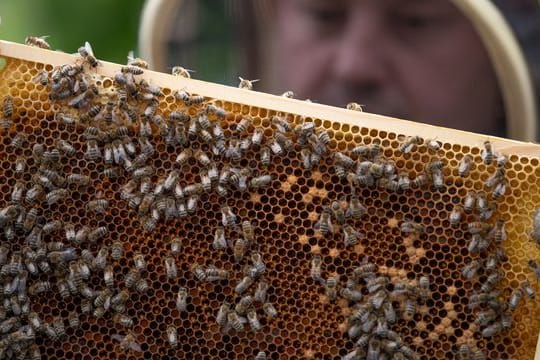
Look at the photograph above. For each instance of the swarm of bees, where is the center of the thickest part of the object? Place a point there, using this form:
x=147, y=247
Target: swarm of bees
x=123, y=134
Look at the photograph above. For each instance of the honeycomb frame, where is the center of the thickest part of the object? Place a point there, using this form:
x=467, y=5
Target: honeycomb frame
x=308, y=325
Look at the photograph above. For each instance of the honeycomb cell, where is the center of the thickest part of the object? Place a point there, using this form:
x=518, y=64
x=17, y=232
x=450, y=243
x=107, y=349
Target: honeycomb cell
x=287, y=231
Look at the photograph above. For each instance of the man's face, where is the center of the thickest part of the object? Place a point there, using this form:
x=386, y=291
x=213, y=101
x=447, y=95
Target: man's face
x=415, y=59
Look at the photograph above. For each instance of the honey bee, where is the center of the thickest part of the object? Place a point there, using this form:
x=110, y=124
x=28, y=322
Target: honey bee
x=534, y=266
x=243, y=284
x=470, y=201
x=170, y=267
x=535, y=232
x=181, y=71
x=331, y=288
x=487, y=153
x=404, y=183
x=411, y=227
x=198, y=271
x=270, y=310
x=500, y=189
x=497, y=177
x=350, y=294
x=354, y=107
x=142, y=286
x=127, y=342
x=219, y=241
x=212, y=109
x=108, y=276
x=350, y=235
x=465, y=165
x=92, y=150
x=491, y=281
x=18, y=140
x=528, y=290
x=123, y=320
x=261, y=181
x=246, y=84
x=239, y=249
x=97, y=234
x=470, y=270
x=259, y=267
x=172, y=336
x=56, y=196
x=265, y=155
x=228, y=218
x=492, y=330
x=234, y=320
x=253, y=320
x=38, y=41
x=261, y=355
x=324, y=225
x=410, y=143
x=456, y=215
x=221, y=317
x=244, y=305
x=181, y=299
x=131, y=69
x=87, y=53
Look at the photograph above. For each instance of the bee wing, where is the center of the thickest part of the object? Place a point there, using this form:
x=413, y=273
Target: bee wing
x=88, y=48
x=118, y=337
x=130, y=56
x=135, y=347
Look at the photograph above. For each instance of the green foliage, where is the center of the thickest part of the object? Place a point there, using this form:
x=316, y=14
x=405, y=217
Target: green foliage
x=110, y=26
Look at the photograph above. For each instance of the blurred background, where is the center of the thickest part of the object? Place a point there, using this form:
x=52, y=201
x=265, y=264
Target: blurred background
x=110, y=26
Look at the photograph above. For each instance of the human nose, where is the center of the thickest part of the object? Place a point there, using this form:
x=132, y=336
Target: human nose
x=358, y=56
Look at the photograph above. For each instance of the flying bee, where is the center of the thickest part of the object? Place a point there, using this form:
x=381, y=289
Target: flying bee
x=253, y=320
x=246, y=84
x=469, y=201
x=411, y=227
x=170, y=267
x=239, y=249
x=465, y=165
x=324, y=225
x=354, y=107
x=270, y=310
x=38, y=41
x=172, y=336
x=331, y=288
x=234, y=320
x=127, y=342
x=350, y=235
x=487, y=153
x=181, y=71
